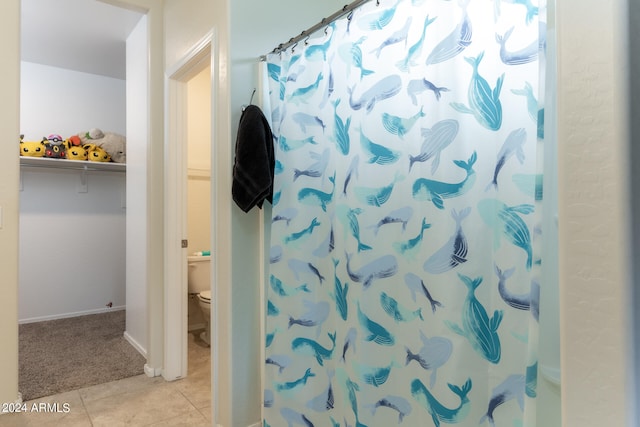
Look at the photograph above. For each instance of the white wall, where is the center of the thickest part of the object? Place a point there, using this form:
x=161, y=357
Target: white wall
x=594, y=223
x=72, y=244
x=199, y=161
x=65, y=102
x=75, y=238
x=137, y=187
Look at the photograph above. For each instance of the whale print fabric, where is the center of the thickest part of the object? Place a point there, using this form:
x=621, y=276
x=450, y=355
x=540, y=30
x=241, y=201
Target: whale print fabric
x=404, y=275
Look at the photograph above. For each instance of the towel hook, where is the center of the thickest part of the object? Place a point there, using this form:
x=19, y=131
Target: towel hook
x=244, y=107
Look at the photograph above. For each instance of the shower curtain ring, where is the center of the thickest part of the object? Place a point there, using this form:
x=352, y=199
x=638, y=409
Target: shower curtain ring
x=293, y=48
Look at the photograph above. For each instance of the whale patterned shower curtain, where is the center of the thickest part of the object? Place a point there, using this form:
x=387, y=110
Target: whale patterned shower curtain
x=403, y=284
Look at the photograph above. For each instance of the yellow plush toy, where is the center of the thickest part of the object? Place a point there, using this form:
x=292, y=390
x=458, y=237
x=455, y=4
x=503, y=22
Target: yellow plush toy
x=32, y=148
x=76, y=152
x=96, y=154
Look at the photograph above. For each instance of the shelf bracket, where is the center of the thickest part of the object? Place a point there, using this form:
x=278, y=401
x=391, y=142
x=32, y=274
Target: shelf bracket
x=82, y=185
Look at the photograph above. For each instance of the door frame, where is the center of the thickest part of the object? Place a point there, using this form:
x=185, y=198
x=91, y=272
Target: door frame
x=175, y=298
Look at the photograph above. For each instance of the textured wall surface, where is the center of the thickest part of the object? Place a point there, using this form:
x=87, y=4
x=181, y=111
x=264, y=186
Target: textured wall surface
x=593, y=213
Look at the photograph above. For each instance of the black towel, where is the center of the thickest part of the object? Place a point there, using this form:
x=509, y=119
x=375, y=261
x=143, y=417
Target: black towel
x=254, y=163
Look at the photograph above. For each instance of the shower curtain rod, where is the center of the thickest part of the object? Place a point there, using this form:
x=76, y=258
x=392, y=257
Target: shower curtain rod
x=325, y=21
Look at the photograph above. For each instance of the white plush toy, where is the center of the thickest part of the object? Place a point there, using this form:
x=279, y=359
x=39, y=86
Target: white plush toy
x=114, y=144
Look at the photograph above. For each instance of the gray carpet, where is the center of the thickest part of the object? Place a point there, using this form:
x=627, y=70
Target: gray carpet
x=67, y=354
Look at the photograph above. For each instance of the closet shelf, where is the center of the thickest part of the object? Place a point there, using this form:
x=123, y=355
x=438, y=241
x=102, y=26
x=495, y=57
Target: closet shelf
x=42, y=162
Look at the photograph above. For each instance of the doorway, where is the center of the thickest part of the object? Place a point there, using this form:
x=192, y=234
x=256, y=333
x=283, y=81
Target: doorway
x=183, y=169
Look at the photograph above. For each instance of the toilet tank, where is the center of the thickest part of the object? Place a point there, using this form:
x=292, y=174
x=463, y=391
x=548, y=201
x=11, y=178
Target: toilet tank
x=199, y=273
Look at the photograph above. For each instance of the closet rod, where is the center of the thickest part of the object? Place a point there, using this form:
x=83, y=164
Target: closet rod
x=325, y=21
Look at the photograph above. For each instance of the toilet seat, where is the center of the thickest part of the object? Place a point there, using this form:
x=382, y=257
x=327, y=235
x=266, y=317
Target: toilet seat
x=205, y=296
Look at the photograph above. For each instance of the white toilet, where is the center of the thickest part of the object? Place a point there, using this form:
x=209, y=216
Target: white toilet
x=199, y=279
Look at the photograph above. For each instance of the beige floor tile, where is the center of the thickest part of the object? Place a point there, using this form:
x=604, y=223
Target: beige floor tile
x=206, y=413
x=124, y=385
x=191, y=419
x=196, y=388
x=139, y=408
x=65, y=409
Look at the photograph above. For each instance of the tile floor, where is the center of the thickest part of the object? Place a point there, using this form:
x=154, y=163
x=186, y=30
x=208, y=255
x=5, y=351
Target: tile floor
x=135, y=401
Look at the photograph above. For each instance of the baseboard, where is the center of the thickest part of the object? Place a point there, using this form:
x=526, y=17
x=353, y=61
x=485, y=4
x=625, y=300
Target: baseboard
x=135, y=344
x=73, y=314
x=152, y=372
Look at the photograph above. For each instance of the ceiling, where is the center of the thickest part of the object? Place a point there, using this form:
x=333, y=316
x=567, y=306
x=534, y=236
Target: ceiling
x=81, y=35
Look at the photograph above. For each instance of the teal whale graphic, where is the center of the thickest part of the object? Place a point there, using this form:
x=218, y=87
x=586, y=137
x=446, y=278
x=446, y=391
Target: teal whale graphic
x=484, y=103
x=378, y=154
x=372, y=375
x=480, y=330
x=349, y=218
x=340, y=293
x=536, y=114
x=376, y=332
x=350, y=389
x=302, y=234
x=296, y=384
x=415, y=49
x=315, y=197
x=303, y=94
x=411, y=246
x=398, y=312
x=284, y=290
x=436, y=191
x=439, y=412
x=400, y=126
x=308, y=347
x=341, y=130
x=507, y=222
x=377, y=196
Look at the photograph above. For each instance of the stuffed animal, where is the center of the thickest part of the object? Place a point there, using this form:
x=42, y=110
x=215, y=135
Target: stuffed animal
x=53, y=139
x=76, y=152
x=114, y=144
x=31, y=148
x=96, y=153
x=55, y=151
x=74, y=140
